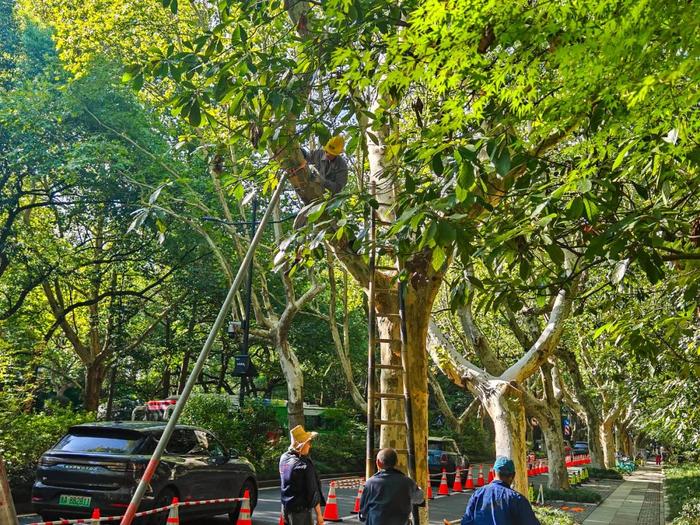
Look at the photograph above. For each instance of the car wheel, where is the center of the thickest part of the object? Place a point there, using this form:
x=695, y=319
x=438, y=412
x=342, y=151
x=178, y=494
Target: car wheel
x=250, y=487
x=164, y=498
x=49, y=517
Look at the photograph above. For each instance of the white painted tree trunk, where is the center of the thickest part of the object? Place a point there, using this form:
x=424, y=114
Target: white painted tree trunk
x=504, y=404
x=291, y=369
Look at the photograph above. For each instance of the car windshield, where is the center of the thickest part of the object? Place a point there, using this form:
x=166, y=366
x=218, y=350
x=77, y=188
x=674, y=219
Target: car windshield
x=101, y=443
x=445, y=446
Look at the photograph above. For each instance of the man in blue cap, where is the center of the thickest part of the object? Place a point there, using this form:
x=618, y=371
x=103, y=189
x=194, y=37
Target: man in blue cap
x=497, y=503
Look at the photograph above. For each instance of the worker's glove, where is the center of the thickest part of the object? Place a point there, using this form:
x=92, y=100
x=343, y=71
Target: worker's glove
x=315, y=175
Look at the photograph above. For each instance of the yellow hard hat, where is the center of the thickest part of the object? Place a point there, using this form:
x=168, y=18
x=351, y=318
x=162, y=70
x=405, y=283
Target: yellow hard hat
x=335, y=145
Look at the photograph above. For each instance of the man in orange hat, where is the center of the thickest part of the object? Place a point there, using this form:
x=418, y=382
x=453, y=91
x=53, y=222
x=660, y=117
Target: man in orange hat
x=327, y=165
x=300, y=484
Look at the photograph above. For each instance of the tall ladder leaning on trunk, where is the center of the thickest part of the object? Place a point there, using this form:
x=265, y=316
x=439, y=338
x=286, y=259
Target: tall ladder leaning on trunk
x=375, y=396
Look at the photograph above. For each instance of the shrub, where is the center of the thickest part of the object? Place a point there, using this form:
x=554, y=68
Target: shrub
x=243, y=430
x=682, y=486
x=25, y=437
x=690, y=513
x=575, y=494
x=549, y=516
x=604, y=473
x=341, y=450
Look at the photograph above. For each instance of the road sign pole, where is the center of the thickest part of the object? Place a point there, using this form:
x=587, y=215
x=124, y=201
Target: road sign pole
x=220, y=319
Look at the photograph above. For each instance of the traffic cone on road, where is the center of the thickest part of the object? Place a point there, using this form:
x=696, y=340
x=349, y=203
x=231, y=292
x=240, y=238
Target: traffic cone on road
x=470, y=480
x=444, y=488
x=331, y=511
x=244, y=513
x=281, y=520
x=480, y=479
x=429, y=491
x=174, y=513
x=491, y=475
x=457, y=485
x=356, y=508
x=95, y=516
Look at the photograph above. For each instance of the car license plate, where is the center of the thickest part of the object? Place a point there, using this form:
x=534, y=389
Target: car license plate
x=74, y=501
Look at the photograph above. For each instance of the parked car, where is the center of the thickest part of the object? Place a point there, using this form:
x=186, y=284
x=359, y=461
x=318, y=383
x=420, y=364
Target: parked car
x=443, y=453
x=100, y=464
x=580, y=447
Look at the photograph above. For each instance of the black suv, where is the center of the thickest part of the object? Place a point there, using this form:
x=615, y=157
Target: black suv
x=98, y=465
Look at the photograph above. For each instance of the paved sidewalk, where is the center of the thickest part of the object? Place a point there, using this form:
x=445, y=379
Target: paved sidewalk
x=638, y=501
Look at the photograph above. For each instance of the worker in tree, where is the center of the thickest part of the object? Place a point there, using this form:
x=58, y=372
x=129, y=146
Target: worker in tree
x=327, y=166
x=328, y=169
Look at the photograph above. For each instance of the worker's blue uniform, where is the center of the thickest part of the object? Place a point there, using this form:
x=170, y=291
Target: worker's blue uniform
x=498, y=504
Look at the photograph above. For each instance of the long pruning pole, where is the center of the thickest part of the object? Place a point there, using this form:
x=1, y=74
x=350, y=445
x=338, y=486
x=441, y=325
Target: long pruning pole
x=223, y=312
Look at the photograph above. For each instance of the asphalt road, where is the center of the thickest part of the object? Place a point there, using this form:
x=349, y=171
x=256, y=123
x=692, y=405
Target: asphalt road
x=267, y=511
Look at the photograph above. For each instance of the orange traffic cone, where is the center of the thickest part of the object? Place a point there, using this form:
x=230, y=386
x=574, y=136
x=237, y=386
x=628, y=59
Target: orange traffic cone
x=429, y=490
x=244, y=513
x=457, y=485
x=95, y=516
x=331, y=511
x=281, y=521
x=174, y=514
x=480, y=479
x=356, y=508
x=491, y=475
x=444, y=489
x=470, y=480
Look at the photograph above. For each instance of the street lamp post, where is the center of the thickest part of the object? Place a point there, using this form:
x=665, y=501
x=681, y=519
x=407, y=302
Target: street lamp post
x=246, y=321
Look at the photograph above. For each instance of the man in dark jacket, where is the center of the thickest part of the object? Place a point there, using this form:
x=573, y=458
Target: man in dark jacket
x=389, y=495
x=497, y=503
x=300, y=484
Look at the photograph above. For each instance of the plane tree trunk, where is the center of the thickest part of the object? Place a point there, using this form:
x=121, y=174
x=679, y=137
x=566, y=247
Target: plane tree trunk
x=586, y=405
x=500, y=389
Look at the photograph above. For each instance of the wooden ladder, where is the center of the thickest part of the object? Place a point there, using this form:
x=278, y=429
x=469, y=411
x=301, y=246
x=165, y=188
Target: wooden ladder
x=375, y=395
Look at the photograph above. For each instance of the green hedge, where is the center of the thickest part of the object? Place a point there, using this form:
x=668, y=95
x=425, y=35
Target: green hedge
x=690, y=513
x=604, y=473
x=549, y=516
x=339, y=450
x=25, y=437
x=682, y=486
x=575, y=494
x=243, y=430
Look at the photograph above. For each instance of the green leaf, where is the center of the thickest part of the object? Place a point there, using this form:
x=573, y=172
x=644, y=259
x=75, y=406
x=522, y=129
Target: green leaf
x=195, y=116
x=555, y=253
x=502, y=162
x=436, y=163
x=585, y=185
x=621, y=156
x=591, y=209
x=438, y=258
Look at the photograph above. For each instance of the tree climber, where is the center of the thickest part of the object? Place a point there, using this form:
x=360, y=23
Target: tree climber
x=327, y=166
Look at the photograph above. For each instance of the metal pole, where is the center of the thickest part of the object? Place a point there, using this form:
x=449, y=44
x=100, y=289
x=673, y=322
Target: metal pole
x=223, y=313
x=249, y=291
x=408, y=407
